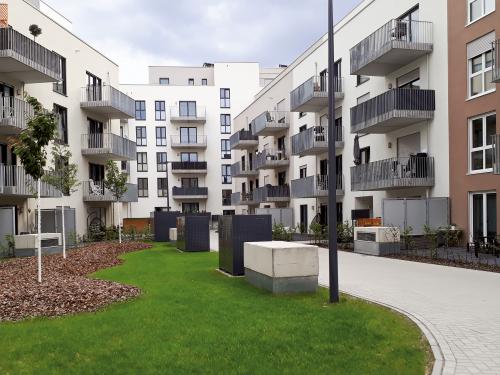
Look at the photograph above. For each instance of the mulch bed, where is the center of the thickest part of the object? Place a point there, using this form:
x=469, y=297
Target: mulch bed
x=65, y=288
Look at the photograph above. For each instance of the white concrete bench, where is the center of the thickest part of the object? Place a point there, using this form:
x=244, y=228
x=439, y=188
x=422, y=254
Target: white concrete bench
x=282, y=267
x=172, y=234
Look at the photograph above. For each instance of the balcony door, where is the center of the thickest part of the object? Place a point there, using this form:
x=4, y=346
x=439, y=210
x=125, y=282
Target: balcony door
x=323, y=80
x=483, y=216
x=303, y=218
x=187, y=109
x=192, y=207
x=406, y=27
x=189, y=182
x=96, y=172
x=282, y=179
x=96, y=131
x=189, y=135
x=6, y=101
x=409, y=145
x=94, y=88
x=323, y=167
x=189, y=156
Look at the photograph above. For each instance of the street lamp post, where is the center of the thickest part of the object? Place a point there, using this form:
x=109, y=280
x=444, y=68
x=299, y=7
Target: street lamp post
x=332, y=167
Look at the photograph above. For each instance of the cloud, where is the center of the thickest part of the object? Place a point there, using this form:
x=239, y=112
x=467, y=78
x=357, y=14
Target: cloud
x=136, y=34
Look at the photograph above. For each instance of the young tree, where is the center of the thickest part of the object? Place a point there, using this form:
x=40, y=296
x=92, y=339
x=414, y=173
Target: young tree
x=35, y=30
x=31, y=150
x=63, y=175
x=116, y=183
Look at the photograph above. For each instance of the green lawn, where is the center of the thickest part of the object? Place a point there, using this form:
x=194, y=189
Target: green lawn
x=193, y=320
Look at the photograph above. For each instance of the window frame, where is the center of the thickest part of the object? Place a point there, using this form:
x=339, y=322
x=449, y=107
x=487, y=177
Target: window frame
x=161, y=162
x=143, y=187
x=62, y=123
x=225, y=149
x=484, y=147
x=224, y=123
x=482, y=73
x=483, y=12
x=164, y=79
x=160, y=110
x=161, y=141
x=226, y=178
x=142, y=164
x=144, y=140
x=162, y=187
x=141, y=111
x=225, y=98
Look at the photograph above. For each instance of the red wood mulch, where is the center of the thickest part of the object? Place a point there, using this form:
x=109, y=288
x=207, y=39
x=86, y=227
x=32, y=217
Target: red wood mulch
x=65, y=288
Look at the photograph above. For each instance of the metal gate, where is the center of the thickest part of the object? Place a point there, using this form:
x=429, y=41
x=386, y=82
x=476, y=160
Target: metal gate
x=52, y=223
x=7, y=228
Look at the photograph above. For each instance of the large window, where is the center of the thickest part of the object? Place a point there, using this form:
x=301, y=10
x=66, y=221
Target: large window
x=189, y=156
x=483, y=216
x=140, y=110
x=60, y=87
x=160, y=113
x=226, y=197
x=187, y=109
x=161, y=161
x=189, y=182
x=482, y=129
x=225, y=124
x=162, y=185
x=479, y=8
x=161, y=136
x=142, y=162
x=142, y=186
x=140, y=136
x=226, y=174
x=481, y=74
x=225, y=98
x=225, y=147
x=189, y=135
x=62, y=123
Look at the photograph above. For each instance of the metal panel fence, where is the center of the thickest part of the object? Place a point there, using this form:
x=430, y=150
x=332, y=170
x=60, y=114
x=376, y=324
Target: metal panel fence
x=15, y=112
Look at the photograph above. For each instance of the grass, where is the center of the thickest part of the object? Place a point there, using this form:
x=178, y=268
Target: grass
x=193, y=320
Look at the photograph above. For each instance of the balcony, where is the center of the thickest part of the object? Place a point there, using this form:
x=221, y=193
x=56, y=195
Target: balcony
x=271, y=194
x=14, y=182
x=271, y=159
x=189, y=193
x=25, y=60
x=391, y=47
x=197, y=142
x=496, y=61
x=189, y=167
x=14, y=113
x=395, y=173
x=196, y=116
x=243, y=170
x=243, y=199
x=393, y=110
x=108, y=102
x=270, y=123
x=316, y=187
x=102, y=147
x=496, y=154
x=314, y=141
x=312, y=95
x=244, y=139
x=96, y=192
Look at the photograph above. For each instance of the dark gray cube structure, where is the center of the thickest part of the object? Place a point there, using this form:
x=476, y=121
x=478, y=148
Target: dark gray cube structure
x=234, y=231
x=193, y=233
x=163, y=221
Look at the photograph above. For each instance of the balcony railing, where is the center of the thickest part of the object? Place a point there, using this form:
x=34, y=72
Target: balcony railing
x=314, y=141
x=199, y=141
x=243, y=170
x=496, y=61
x=189, y=167
x=316, y=186
x=269, y=193
x=271, y=159
x=393, y=110
x=243, y=139
x=15, y=182
x=26, y=60
x=271, y=122
x=391, y=47
x=14, y=115
x=107, y=101
x=108, y=146
x=95, y=191
x=496, y=154
x=395, y=173
x=312, y=95
x=243, y=199
x=198, y=115
x=190, y=192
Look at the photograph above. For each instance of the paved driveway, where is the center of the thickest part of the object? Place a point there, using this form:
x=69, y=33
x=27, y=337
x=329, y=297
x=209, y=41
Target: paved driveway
x=457, y=308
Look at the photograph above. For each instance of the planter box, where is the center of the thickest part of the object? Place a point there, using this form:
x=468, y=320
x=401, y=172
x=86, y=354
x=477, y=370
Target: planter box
x=26, y=245
x=282, y=267
x=163, y=221
x=193, y=233
x=234, y=231
x=378, y=241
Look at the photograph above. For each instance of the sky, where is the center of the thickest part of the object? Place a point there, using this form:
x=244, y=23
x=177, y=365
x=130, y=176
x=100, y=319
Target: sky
x=139, y=33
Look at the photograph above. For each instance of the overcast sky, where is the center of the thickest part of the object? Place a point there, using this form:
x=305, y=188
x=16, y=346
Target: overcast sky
x=139, y=33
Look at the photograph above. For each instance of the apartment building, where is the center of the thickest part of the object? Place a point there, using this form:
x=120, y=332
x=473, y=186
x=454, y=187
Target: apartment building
x=474, y=72
x=65, y=74
x=391, y=119
x=182, y=125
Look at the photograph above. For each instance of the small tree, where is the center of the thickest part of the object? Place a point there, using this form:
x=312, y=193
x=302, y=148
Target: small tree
x=35, y=30
x=31, y=150
x=116, y=183
x=63, y=175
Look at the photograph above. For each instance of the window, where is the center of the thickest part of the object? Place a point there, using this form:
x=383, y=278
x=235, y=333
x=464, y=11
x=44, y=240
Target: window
x=410, y=80
x=142, y=186
x=204, y=82
x=191, y=81
x=225, y=124
x=483, y=216
x=225, y=147
x=140, y=136
x=193, y=207
x=187, y=109
x=480, y=143
x=303, y=172
x=479, y=8
x=302, y=114
x=164, y=81
x=189, y=156
x=62, y=123
x=162, y=186
x=365, y=155
x=60, y=87
x=226, y=197
x=189, y=135
x=189, y=182
x=481, y=74
x=226, y=174
x=161, y=136
x=361, y=79
x=160, y=114
x=225, y=98
x=140, y=110
x=142, y=162
x=303, y=128
x=161, y=161
x=94, y=88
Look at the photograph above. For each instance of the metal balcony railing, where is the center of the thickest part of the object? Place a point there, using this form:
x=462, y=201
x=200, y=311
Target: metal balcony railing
x=243, y=139
x=271, y=159
x=198, y=114
x=496, y=154
x=26, y=52
x=109, y=101
x=270, y=122
x=312, y=95
x=14, y=181
x=189, y=166
x=243, y=170
x=271, y=193
x=14, y=115
x=199, y=192
x=108, y=146
x=315, y=141
x=316, y=186
x=392, y=110
x=496, y=61
x=394, y=173
x=392, y=46
x=199, y=141
x=95, y=191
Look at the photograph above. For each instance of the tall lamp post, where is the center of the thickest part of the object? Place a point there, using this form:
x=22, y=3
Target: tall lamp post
x=332, y=165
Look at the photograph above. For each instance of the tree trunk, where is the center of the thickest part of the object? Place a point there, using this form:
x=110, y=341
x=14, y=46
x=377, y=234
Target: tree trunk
x=63, y=233
x=39, y=183
x=119, y=223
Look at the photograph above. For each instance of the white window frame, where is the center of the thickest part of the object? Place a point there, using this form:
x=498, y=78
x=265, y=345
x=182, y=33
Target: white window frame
x=482, y=72
x=483, y=148
x=142, y=161
x=483, y=13
x=485, y=212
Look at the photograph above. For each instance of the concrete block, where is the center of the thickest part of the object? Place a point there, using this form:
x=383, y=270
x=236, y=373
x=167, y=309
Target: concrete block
x=173, y=234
